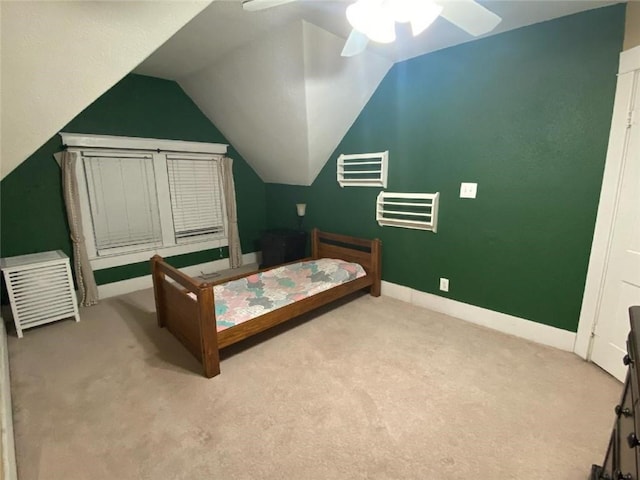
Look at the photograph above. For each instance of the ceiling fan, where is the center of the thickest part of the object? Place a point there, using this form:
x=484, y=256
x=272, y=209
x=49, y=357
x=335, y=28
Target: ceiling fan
x=375, y=19
x=254, y=5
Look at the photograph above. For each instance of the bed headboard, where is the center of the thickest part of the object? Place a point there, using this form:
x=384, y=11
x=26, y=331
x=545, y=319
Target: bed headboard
x=367, y=253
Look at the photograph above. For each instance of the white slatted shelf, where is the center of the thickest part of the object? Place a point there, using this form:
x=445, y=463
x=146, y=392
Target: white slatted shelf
x=348, y=162
x=363, y=169
x=40, y=289
x=417, y=211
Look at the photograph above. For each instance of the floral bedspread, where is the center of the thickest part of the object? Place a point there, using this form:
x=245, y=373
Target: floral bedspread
x=240, y=300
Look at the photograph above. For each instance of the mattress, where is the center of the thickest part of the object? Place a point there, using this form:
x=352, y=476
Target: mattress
x=240, y=300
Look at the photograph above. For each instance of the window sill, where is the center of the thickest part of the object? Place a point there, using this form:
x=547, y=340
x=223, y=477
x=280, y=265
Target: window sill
x=100, y=263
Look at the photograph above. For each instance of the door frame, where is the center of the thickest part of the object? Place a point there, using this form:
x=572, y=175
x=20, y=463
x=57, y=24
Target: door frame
x=608, y=205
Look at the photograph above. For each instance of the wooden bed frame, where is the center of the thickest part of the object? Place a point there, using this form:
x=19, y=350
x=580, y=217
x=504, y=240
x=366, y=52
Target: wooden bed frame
x=194, y=322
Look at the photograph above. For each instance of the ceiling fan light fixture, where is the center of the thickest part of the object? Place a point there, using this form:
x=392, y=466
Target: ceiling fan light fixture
x=424, y=14
x=382, y=30
x=358, y=16
x=403, y=10
x=369, y=17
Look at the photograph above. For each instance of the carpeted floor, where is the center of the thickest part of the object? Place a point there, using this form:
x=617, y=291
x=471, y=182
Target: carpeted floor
x=373, y=388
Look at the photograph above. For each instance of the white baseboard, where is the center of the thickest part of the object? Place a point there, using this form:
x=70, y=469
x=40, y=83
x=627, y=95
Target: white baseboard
x=7, y=445
x=140, y=283
x=519, y=327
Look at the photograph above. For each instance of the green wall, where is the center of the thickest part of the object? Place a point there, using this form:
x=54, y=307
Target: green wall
x=526, y=114
x=32, y=213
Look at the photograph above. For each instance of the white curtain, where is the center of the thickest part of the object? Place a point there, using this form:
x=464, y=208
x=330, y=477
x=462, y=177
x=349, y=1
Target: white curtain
x=84, y=274
x=229, y=189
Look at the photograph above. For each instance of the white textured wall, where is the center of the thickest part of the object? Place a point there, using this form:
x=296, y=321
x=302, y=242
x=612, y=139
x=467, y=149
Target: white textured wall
x=632, y=25
x=255, y=96
x=336, y=91
x=7, y=446
x=59, y=57
x=286, y=100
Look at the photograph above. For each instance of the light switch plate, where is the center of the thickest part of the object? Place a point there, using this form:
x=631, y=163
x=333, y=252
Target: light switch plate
x=468, y=190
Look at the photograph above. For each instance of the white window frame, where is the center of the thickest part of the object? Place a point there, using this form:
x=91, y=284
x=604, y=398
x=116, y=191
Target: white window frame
x=83, y=175
x=159, y=149
x=217, y=158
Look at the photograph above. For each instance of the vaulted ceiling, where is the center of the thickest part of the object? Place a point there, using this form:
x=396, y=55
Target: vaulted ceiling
x=272, y=81
x=59, y=57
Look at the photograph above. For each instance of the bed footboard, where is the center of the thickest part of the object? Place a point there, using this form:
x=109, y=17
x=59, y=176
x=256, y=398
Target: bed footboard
x=192, y=321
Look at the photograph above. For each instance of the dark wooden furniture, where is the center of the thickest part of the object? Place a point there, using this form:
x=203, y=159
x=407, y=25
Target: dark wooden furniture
x=282, y=246
x=194, y=322
x=622, y=459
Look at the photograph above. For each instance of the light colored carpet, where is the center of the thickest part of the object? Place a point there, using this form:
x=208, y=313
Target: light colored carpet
x=372, y=389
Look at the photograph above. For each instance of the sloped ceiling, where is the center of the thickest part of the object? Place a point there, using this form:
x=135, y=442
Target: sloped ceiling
x=286, y=100
x=274, y=83
x=58, y=57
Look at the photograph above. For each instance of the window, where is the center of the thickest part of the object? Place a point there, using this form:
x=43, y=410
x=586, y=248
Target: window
x=196, y=197
x=144, y=196
x=122, y=200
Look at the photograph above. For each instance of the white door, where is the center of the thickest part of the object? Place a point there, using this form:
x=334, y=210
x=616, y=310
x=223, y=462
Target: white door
x=621, y=282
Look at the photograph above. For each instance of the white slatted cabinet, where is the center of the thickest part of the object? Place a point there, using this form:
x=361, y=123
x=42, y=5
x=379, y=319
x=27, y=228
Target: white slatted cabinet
x=40, y=289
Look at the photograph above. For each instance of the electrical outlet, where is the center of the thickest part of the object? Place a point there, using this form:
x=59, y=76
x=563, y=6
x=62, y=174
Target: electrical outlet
x=444, y=284
x=468, y=190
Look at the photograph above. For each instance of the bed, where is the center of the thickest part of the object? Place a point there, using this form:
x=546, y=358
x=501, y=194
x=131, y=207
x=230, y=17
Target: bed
x=187, y=308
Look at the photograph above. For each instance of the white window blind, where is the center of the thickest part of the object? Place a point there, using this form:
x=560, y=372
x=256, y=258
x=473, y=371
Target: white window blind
x=196, y=193
x=123, y=200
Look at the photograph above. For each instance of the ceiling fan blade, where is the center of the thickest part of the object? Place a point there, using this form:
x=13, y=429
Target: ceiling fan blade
x=254, y=5
x=470, y=16
x=355, y=44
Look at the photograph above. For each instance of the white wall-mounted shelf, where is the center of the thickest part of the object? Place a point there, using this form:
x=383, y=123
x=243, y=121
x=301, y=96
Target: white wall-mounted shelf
x=363, y=169
x=40, y=289
x=408, y=210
